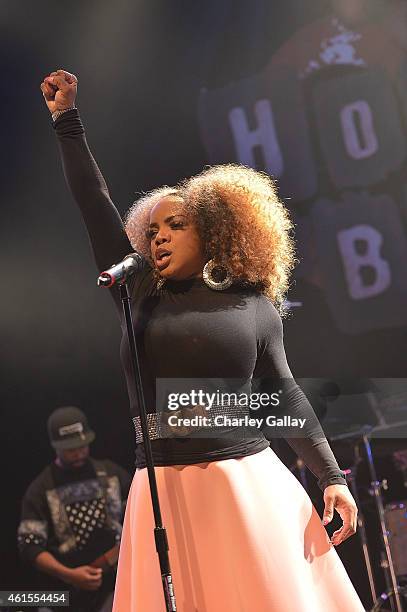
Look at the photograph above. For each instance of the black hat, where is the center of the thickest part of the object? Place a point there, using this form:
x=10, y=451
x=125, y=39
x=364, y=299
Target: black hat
x=68, y=428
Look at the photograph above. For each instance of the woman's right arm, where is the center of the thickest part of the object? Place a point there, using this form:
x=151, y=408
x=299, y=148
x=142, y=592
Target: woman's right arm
x=103, y=222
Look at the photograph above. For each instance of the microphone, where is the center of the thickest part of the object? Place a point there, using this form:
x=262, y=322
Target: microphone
x=119, y=273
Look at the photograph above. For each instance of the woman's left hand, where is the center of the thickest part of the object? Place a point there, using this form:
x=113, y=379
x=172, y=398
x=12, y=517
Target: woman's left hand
x=340, y=498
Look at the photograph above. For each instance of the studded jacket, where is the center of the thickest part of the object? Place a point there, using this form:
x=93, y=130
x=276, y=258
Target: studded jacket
x=74, y=514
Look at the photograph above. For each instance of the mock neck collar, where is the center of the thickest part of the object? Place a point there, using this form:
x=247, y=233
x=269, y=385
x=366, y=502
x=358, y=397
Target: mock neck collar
x=184, y=284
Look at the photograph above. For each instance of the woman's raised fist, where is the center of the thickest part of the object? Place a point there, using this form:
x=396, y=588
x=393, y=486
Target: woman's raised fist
x=59, y=90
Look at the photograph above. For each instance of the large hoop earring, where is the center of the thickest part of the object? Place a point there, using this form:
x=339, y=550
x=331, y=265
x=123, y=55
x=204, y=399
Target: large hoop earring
x=214, y=283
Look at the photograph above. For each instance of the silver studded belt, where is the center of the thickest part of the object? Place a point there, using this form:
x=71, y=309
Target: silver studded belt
x=159, y=428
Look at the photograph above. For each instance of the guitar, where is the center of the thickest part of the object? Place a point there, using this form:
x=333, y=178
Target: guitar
x=83, y=600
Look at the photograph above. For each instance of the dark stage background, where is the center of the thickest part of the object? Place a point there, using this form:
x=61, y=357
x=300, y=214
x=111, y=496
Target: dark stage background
x=312, y=92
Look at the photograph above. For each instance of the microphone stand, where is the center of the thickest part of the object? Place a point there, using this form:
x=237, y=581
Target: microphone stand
x=160, y=534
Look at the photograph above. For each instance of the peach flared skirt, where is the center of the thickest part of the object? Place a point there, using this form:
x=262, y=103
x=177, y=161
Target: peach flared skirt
x=243, y=537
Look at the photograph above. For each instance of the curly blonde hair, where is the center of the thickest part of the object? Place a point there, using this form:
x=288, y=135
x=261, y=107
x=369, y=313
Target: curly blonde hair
x=240, y=220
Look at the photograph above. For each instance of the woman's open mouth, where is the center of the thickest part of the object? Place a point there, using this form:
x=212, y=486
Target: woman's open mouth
x=162, y=260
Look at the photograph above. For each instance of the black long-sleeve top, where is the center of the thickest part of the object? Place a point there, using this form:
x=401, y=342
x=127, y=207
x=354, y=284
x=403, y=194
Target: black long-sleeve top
x=185, y=330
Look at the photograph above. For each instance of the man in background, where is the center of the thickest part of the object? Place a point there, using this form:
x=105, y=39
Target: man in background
x=72, y=515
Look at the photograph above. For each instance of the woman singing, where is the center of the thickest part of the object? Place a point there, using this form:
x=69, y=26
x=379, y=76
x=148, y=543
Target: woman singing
x=243, y=533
